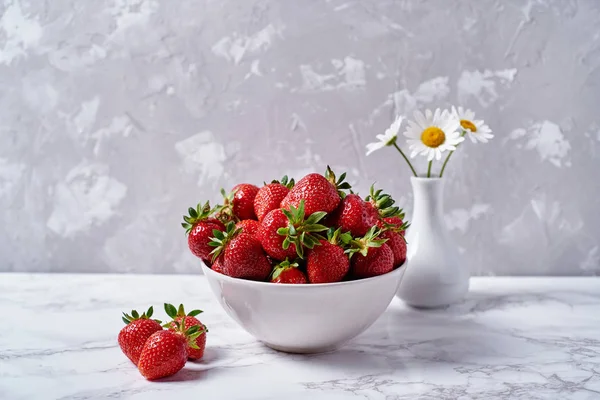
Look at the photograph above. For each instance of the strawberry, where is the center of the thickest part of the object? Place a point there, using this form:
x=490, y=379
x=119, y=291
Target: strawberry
x=370, y=256
x=165, y=352
x=269, y=196
x=320, y=193
x=285, y=233
x=137, y=330
x=243, y=201
x=217, y=265
x=199, y=227
x=194, y=353
x=238, y=204
x=272, y=241
x=328, y=262
x=243, y=255
x=286, y=272
x=397, y=244
x=249, y=226
x=354, y=215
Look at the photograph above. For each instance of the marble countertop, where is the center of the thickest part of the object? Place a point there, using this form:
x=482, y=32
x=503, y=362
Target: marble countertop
x=512, y=338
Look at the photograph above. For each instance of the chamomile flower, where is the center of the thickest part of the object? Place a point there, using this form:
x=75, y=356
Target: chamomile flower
x=388, y=138
x=477, y=130
x=433, y=133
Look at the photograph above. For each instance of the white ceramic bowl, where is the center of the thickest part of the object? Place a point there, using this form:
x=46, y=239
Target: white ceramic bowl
x=309, y=318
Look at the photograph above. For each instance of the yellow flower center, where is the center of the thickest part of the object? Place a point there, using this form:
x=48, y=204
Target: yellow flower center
x=433, y=137
x=465, y=123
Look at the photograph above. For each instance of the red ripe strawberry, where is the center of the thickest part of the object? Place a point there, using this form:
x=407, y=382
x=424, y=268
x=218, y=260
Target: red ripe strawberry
x=328, y=262
x=199, y=227
x=217, y=266
x=165, y=352
x=370, y=256
x=243, y=201
x=285, y=233
x=378, y=261
x=394, y=230
x=269, y=197
x=272, y=241
x=319, y=192
x=243, y=255
x=286, y=272
x=397, y=244
x=355, y=215
x=249, y=226
x=238, y=204
x=137, y=330
x=194, y=353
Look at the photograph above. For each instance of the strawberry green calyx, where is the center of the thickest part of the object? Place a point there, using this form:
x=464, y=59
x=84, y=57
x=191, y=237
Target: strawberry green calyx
x=282, y=266
x=224, y=212
x=302, y=233
x=339, y=184
x=398, y=229
x=361, y=245
x=190, y=334
x=195, y=215
x=180, y=312
x=384, y=203
x=221, y=239
x=134, y=316
x=285, y=181
x=335, y=236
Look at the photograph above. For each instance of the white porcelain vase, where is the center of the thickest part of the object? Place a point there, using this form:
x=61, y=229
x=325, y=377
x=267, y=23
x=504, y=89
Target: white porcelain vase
x=435, y=275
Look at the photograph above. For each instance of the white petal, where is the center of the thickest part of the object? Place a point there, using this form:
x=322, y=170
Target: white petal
x=428, y=116
x=452, y=125
x=430, y=154
x=396, y=124
x=437, y=116
x=371, y=147
x=420, y=120
x=454, y=112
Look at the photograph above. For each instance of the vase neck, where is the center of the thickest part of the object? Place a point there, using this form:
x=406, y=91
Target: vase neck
x=428, y=197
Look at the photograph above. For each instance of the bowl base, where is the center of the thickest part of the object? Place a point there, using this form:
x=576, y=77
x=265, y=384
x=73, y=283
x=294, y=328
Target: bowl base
x=302, y=350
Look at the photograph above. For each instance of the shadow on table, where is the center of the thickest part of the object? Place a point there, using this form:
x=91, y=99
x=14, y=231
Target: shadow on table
x=188, y=373
x=406, y=337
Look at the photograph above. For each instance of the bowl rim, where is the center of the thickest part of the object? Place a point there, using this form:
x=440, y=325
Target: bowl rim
x=296, y=286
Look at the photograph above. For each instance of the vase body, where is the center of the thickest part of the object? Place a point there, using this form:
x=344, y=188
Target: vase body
x=435, y=274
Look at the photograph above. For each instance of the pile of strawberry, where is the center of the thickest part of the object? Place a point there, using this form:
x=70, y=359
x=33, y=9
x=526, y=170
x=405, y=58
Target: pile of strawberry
x=314, y=231
x=159, y=352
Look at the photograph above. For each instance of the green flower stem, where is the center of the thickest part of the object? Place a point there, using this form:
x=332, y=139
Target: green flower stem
x=450, y=154
x=405, y=158
x=445, y=162
x=429, y=169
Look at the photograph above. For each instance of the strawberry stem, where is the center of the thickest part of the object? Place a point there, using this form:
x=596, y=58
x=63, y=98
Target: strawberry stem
x=200, y=213
x=302, y=232
x=134, y=316
x=362, y=245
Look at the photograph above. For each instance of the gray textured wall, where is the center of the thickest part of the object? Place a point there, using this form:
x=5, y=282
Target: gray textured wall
x=117, y=115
